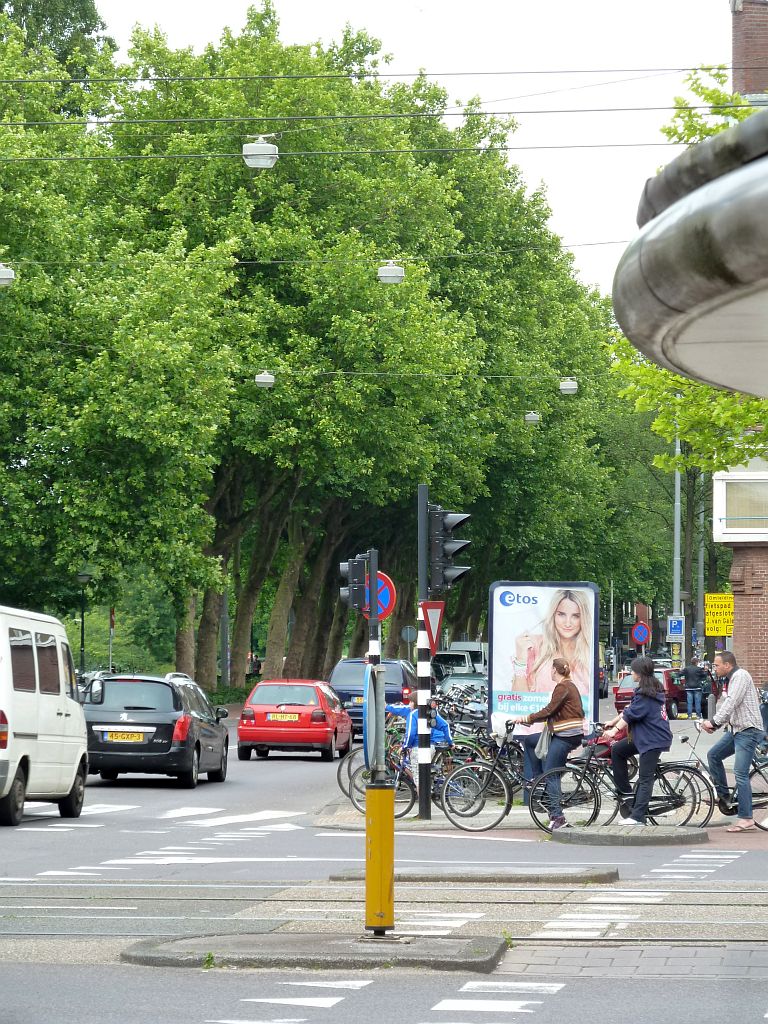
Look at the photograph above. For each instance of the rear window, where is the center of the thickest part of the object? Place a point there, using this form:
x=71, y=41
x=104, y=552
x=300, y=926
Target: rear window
x=130, y=695
x=349, y=675
x=274, y=693
x=452, y=660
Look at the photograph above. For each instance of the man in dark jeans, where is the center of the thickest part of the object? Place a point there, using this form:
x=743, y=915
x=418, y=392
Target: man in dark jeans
x=693, y=677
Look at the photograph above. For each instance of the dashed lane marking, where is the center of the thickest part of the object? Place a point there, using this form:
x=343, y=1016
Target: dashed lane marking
x=487, y=1005
x=232, y=819
x=320, y=1002
x=191, y=812
x=328, y=984
x=528, y=987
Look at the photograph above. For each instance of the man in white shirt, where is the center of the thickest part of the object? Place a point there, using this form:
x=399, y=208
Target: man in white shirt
x=741, y=711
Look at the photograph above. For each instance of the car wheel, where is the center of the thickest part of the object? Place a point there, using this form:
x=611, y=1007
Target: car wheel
x=220, y=774
x=109, y=775
x=72, y=804
x=188, y=780
x=329, y=752
x=262, y=752
x=243, y=753
x=12, y=804
x=673, y=709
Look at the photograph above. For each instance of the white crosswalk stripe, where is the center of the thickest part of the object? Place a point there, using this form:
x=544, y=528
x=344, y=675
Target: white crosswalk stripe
x=692, y=866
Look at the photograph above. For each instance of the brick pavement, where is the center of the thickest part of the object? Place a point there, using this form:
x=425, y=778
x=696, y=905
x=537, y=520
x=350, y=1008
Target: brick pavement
x=717, y=961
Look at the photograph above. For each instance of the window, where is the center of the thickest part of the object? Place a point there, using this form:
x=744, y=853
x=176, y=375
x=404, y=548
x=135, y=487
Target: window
x=47, y=663
x=69, y=671
x=280, y=693
x=131, y=695
x=22, y=660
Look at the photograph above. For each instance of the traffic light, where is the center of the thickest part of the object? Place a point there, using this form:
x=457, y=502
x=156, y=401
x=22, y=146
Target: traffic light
x=432, y=714
x=443, y=547
x=353, y=572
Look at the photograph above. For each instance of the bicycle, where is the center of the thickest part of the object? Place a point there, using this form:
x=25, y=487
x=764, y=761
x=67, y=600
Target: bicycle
x=582, y=788
x=478, y=795
x=405, y=789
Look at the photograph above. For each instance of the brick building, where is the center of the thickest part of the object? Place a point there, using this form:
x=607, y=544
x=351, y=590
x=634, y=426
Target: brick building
x=749, y=41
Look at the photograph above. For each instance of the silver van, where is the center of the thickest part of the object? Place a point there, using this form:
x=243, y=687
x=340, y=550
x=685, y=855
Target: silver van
x=43, y=745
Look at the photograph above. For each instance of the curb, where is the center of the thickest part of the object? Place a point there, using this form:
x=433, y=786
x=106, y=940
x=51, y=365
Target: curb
x=615, y=835
x=559, y=875
x=479, y=954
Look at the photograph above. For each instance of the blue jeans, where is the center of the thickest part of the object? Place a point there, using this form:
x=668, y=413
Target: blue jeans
x=532, y=767
x=559, y=749
x=692, y=695
x=743, y=744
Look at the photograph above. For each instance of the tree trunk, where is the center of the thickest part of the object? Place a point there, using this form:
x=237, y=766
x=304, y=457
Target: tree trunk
x=262, y=556
x=185, y=639
x=316, y=647
x=299, y=541
x=207, y=640
x=403, y=615
x=358, y=645
x=306, y=615
x=335, y=644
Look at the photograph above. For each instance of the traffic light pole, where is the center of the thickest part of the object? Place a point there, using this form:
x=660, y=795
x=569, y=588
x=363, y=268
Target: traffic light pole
x=423, y=673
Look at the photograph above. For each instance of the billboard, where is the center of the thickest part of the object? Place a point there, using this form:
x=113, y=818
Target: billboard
x=529, y=625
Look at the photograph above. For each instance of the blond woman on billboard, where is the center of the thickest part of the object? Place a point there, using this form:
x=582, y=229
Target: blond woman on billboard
x=564, y=632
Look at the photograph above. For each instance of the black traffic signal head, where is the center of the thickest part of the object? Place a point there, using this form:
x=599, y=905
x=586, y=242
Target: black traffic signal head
x=353, y=594
x=443, y=548
x=432, y=714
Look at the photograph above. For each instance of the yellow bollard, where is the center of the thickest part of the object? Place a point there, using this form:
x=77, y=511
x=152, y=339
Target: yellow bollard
x=379, y=857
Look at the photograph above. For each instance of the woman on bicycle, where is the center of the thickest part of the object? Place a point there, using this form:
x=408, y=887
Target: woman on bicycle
x=649, y=735
x=564, y=719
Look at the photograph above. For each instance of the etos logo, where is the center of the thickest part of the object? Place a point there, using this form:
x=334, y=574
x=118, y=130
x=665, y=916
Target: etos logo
x=509, y=597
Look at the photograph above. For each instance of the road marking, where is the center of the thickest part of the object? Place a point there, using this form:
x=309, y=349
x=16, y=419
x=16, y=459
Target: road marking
x=272, y=1020
x=541, y=987
x=108, y=808
x=76, y=874
x=188, y=812
x=487, y=1005
x=232, y=819
x=321, y=1002
x=328, y=984
x=77, y=824
x=236, y=860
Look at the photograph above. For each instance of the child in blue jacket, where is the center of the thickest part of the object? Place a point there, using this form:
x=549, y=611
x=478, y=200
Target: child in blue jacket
x=440, y=732
x=649, y=736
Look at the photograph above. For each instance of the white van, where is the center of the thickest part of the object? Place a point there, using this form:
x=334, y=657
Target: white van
x=43, y=744
x=478, y=652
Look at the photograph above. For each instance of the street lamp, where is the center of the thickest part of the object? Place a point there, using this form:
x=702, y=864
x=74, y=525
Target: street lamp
x=83, y=578
x=7, y=275
x=532, y=418
x=391, y=273
x=265, y=379
x=569, y=386
x=260, y=154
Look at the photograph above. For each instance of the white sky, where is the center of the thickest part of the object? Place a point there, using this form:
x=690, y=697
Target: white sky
x=593, y=192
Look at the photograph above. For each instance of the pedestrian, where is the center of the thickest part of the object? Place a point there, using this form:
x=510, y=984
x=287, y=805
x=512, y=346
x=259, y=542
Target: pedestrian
x=649, y=735
x=741, y=712
x=563, y=720
x=439, y=733
x=693, y=677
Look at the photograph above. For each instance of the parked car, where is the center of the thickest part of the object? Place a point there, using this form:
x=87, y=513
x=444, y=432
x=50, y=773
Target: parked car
x=675, y=693
x=294, y=714
x=478, y=652
x=43, y=749
x=347, y=680
x=154, y=725
x=458, y=663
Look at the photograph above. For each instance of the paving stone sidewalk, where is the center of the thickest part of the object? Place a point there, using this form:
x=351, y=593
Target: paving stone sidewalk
x=729, y=960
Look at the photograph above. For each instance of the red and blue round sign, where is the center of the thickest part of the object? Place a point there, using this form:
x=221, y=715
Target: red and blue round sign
x=640, y=634
x=387, y=596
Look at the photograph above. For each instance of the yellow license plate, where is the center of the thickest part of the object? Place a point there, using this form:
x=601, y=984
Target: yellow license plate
x=125, y=737
x=357, y=700
x=282, y=718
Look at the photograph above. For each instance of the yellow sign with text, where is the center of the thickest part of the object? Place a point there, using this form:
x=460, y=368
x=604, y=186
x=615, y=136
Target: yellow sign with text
x=718, y=614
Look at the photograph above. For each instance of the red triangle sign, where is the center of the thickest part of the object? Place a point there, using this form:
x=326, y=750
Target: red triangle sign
x=433, y=621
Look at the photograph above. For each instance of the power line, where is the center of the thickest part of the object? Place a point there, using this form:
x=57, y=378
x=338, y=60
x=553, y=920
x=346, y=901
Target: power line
x=273, y=118
x=441, y=151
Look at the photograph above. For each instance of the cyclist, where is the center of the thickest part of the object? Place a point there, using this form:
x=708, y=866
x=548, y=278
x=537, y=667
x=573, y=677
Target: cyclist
x=563, y=718
x=741, y=711
x=439, y=733
x=649, y=735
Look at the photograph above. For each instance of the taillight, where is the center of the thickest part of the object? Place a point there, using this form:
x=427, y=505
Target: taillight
x=181, y=729
x=3, y=731
x=247, y=715
x=406, y=693
x=318, y=716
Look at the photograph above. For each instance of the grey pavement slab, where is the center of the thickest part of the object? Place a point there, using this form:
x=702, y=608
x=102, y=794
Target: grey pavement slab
x=718, y=961
x=319, y=950
x=617, y=835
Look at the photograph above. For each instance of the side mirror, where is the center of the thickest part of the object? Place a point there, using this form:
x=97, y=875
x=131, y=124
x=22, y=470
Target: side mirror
x=221, y=713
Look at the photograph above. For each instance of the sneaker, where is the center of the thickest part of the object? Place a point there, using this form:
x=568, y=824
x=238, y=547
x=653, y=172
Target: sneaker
x=633, y=821
x=694, y=716
x=682, y=716
x=557, y=823
x=726, y=806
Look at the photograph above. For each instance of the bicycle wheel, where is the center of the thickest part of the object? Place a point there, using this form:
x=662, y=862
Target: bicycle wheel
x=475, y=797
x=579, y=797
x=675, y=797
x=346, y=766
x=706, y=797
x=405, y=791
x=758, y=780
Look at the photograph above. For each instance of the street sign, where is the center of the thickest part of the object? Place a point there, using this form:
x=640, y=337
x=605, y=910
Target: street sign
x=718, y=615
x=387, y=596
x=408, y=634
x=675, y=628
x=640, y=634
x=433, y=620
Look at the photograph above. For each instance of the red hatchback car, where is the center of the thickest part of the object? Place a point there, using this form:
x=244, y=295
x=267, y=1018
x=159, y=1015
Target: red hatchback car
x=675, y=692
x=293, y=714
